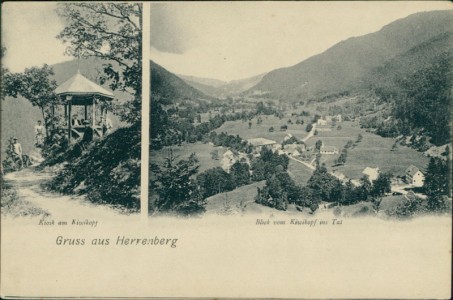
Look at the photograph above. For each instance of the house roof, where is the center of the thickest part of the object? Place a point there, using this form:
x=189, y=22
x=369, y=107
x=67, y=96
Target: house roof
x=261, y=142
x=412, y=170
x=79, y=85
x=329, y=148
x=372, y=173
x=228, y=153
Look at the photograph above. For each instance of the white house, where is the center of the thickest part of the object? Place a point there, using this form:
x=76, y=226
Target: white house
x=287, y=137
x=259, y=143
x=371, y=173
x=328, y=150
x=414, y=176
x=322, y=122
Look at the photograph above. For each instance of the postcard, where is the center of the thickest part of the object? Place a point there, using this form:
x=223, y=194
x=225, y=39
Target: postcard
x=226, y=149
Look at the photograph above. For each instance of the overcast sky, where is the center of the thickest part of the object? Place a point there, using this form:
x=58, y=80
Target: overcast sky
x=28, y=33
x=235, y=40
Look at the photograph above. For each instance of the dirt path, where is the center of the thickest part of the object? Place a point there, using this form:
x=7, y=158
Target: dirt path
x=28, y=184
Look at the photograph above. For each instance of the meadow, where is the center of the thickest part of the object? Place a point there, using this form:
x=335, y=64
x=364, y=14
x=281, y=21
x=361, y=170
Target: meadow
x=202, y=151
x=372, y=151
x=262, y=130
x=299, y=172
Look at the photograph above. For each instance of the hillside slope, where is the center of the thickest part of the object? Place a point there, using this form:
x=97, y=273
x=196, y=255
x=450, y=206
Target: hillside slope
x=383, y=79
x=416, y=88
x=222, y=89
x=339, y=68
x=169, y=86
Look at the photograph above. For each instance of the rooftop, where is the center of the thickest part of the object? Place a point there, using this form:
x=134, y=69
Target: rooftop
x=329, y=148
x=412, y=170
x=79, y=85
x=372, y=173
x=261, y=142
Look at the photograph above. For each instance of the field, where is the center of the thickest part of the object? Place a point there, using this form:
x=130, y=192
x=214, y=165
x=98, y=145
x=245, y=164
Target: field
x=237, y=201
x=242, y=128
x=298, y=172
x=372, y=151
x=202, y=151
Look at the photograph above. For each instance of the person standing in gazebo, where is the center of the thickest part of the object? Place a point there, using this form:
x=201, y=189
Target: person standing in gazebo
x=75, y=121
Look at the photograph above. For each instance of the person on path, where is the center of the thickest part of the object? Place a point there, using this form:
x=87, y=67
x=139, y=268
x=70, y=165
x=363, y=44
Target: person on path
x=16, y=151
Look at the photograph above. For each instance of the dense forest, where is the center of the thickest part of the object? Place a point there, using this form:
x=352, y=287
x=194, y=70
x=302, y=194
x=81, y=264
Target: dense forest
x=417, y=88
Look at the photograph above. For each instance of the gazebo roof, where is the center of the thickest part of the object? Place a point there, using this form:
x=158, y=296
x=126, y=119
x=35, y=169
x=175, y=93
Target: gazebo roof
x=78, y=85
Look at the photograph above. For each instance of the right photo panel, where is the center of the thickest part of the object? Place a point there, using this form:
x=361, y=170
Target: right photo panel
x=305, y=109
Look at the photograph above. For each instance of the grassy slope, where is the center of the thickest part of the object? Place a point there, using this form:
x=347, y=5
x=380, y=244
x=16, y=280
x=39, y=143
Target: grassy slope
x=262, y=130
x=373, y=151
x=202, y=151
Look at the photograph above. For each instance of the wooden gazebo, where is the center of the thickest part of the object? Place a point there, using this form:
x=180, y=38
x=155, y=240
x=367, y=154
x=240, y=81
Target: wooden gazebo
x=80, y=91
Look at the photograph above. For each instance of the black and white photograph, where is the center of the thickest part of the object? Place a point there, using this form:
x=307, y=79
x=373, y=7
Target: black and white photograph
x=304, y=108
x=71, y=109
x=226, y=149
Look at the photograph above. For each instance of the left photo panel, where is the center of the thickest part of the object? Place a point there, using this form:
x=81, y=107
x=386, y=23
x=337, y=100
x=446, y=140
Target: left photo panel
x=71, y=90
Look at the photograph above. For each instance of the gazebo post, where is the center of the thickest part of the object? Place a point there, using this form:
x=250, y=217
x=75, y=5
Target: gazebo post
x=69, y=98
x=86, y=112
x=93, y=115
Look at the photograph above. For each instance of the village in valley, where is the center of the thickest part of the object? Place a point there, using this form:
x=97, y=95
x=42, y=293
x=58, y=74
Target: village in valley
x=309, y=140
x=321, y=135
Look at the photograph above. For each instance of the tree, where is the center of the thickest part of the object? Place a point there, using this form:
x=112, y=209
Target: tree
x=174, y=185
x=359, y=138
x=318, y=145
x=240, y=173
x=4, y=76
x=271, y=129
x=365, y=188
x=381, y=185
x=35, y=85
x=215, y=154
x=112, y=32
x=309, y=127
x=438, y=177
x=343, y=156
x=214, y=181
x=325, y=185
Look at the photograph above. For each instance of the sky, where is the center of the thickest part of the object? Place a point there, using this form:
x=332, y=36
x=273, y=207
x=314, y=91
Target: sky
x=29, y=33
x=236, y=40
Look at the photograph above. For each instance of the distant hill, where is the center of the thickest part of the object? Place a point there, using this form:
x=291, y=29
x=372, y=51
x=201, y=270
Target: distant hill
x=204, y=81
x=384, y=78
x=18, y=116
x=341, y=67
x=417, y=88
x=221, y=89
x=170, y=86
